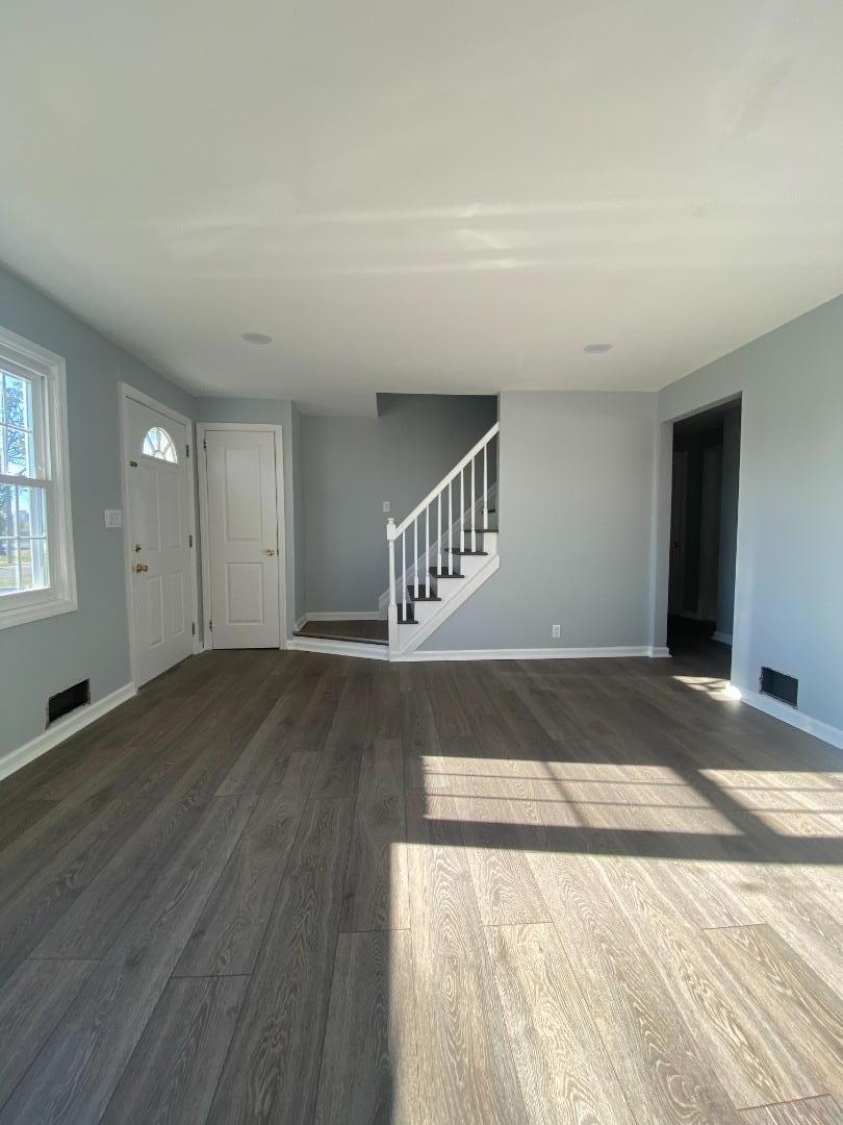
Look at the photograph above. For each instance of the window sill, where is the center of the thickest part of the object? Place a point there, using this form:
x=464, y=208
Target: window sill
x=22, y=613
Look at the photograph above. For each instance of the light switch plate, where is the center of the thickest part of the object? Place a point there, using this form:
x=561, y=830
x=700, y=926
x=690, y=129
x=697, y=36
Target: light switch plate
x=113, y=517
x=386, y=505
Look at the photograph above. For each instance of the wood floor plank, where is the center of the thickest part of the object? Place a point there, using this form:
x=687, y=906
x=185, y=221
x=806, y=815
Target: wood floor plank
x=753, y=1057
x=77, y=1071
x=228, y=935
x=465, y=1065
x=173, y=1072
x=791, y=994
x=564, y=1070
x=98, y=914
x=504, y=883
x=376, y=889
x=339, y=767
x=32, y=1002
x=368, y=1070
x=272, y=1070
x=17, y=819
x=660, y=1068
x=811, y=1111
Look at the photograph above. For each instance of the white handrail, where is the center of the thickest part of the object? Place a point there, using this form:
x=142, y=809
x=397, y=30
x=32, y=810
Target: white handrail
x=395, y=531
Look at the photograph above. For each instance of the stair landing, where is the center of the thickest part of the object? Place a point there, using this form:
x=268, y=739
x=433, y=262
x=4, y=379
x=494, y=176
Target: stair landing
x=364, y=632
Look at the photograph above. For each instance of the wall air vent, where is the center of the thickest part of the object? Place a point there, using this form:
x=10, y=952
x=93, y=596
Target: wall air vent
x=779, y=686
x=63, y=702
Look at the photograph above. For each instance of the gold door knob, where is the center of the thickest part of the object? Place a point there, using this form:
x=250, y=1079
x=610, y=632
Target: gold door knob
x=269, y=551
x=140, y=568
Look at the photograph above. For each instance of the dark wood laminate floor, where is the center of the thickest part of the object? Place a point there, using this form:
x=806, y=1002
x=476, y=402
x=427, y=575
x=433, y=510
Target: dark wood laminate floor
x=301, y=888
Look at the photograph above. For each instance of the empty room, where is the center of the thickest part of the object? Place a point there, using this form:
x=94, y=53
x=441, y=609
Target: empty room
x=421, y=543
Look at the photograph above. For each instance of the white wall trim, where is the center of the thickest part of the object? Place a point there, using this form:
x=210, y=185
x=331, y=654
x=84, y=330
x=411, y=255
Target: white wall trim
x=339, y=648
x=345, y=615
x=531, y=653
x=63, y=729
x=128, y=392
x=724, y=638
x=300, y=624
x=202, y=469
x=657, y=653
x=793, y=718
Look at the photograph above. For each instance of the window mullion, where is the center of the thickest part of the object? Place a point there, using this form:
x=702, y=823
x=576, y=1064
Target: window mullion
x=26, y=482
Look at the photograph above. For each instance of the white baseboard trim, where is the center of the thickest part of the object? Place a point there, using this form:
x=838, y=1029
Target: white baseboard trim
x=339, y=648
x=300, y=624
x=724, y=638
x=344, y=615
x=531, y=653
x=657, y=653
x=794, y=718
x=63, y=729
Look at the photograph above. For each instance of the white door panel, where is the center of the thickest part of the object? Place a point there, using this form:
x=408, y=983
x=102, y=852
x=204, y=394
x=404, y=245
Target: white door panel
x=243, y=559
x=160, y=554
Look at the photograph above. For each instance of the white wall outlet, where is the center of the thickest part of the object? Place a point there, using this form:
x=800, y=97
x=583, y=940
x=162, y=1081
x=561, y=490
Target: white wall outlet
x=113, y=517
x=556, y=631
x=386, y=505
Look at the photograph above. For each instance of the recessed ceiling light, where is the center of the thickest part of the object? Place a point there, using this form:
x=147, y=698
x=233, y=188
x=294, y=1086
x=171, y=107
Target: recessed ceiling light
x=256, y=338
x=597, y=349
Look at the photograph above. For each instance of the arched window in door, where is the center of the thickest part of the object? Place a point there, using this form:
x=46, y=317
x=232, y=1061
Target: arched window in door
x=160, y=445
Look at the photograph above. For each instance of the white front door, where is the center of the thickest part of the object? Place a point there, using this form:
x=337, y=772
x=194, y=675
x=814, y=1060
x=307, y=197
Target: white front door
x=243, y=538
x=159, y=540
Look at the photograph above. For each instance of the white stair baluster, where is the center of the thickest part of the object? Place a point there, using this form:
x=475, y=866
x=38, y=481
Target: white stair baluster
x=439, y=535
x=416, y=552
x=485, y=488
x=450, y=527
x=462, y=510
x=473, y=502
x=404, y=574
x=427, y=549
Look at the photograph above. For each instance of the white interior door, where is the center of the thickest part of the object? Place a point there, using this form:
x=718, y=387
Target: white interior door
x=243, y=538
x=159, y=540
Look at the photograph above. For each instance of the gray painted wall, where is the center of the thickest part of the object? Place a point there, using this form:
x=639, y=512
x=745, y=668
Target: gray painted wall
x=576, y=491
x=788, y=601
x=350, y=466
x=41, y=658
x=729, y=492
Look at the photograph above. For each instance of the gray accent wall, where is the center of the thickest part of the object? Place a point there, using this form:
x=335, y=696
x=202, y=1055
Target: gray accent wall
x=575, y=499
x=43, y=657
x=350, y=466
x=788, y=611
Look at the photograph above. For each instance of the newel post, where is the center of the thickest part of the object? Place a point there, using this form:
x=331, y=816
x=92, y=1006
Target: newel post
x=392, y=614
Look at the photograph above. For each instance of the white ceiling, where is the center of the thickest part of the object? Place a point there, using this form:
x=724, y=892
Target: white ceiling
x=430, y=196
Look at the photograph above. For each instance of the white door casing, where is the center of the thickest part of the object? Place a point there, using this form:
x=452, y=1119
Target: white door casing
x=160, y=557
x=242, y=536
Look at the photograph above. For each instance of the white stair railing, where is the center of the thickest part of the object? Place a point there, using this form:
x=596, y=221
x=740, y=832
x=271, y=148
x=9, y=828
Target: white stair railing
x=434, y=500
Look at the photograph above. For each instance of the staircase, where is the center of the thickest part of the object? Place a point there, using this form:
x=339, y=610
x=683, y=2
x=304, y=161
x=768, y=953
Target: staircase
x=443, y=551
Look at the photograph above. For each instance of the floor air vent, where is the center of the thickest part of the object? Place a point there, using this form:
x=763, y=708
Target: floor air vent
x=779, y=686
x=68, y=700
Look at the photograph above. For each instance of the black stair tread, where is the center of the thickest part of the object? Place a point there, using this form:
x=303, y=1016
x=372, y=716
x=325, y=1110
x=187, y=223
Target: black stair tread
x=466, y=551
x=410, y=620
x=444, y=573
x=480, y=530
x=422, y=595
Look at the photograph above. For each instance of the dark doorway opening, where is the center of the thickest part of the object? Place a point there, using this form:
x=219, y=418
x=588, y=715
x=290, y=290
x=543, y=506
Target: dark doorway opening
x=703, y=537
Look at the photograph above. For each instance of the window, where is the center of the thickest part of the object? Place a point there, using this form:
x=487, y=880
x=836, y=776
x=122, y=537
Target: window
x=37, y=577
x=160, y=445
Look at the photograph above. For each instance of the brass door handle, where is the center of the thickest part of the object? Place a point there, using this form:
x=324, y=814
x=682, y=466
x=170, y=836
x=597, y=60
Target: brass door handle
x=269, y=551
x=140, y=568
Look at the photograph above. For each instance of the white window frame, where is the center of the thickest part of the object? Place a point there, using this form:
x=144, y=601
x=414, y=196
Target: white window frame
x=47, y=372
